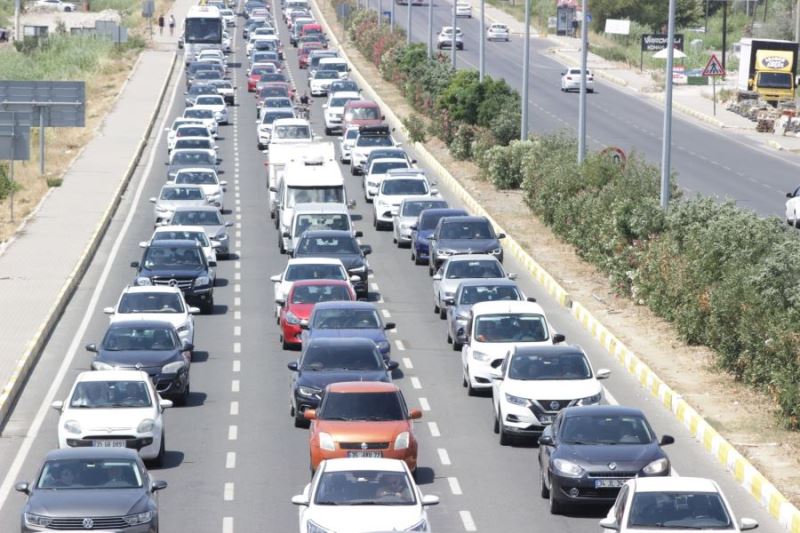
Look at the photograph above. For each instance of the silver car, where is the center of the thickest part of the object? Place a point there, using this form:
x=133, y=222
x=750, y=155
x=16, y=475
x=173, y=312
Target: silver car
x=459, y=267
x=174, y=196
x=210, y=218
x=407, y=215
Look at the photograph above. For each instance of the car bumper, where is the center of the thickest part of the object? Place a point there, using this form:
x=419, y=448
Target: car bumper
x=576, y=85
x=577, y=491
x=141, y=528
x=454, y=326
x=385, y=215
x=171, y=385
x=479, y=373
x=333, y=123
x=303, y=403
x=521, y=420
x=198, y=296
x=319, y=91
x=402, y=234
x=409, y=455
x=147, y=444
x=291, y=333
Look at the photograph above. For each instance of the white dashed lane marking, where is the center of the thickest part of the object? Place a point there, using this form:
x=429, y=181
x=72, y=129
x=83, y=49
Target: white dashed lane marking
x=423, y=402
x=233, y=432
x=401, y=347
x=433, y=427
x=228, y=492
x=455, y=487
x=406, y=361
x=237, y=347
x=227, y=524
x=237, y=366
x=386, y=313
x=444, y=458
x=235, y=385
x=466, y=519
x=415, y=382
x=230, y=460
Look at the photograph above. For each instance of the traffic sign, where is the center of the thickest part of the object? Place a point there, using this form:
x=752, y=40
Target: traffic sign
x=713, y=67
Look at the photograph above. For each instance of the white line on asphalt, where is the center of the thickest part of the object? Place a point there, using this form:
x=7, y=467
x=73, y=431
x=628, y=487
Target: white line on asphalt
x=401, y=347
x=386, y=313
x=228, y=492
x=415, y=382
x=371, y=275
x=235, y=385
x=237, y=276
x=237, y=331
x=434, y=429
x=33, y=431
x=407, y=362
x=237, y=265
x=237, y=347
x=455, y=488
x=237, y=302
x=238, y=216
x=466, y=519
x=423, y=402
x=609, y=397
x=237, y=244
x=237, y=287
x=233, y=432
x=237, y=365
x=380, y=300
x=234, y=408
x=237, y=315
x=230, y=460
x=374, y=287
x=443, y=456
x=227, y=524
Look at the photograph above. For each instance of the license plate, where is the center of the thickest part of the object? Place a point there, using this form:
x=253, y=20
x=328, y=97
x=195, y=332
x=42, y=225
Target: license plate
x=365, y=453
x=108, y=443
x=608, y=483
x=546, y=419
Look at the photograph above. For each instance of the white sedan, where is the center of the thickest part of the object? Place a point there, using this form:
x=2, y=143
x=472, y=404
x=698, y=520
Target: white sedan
x=207, y=180
x=363, y=495
x=188, y=233
x=172, y=131
x=215, y=103
x=673, y=504
x=113, y=409
x=334, y=110
x=571, y=80
x=155, y=302
x=307, y=268
x=318, y=84
x=55, y=4
x=497, y=32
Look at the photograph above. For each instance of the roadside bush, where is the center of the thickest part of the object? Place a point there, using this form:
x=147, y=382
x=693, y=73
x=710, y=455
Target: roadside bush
x=482, y=142
x=6, y=185
x=505, y=126
x=416, y=128
x=461, y=145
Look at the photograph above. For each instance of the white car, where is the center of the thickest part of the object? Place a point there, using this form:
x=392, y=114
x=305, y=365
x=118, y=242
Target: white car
x=463, y=9
x=394, y=188
x=377, y=171
x=445, y=38
x=534, y=383
x=793, y=208
x=193, y=130
x=457, y=268
x=55, y=4
x=189, y=233
x=173, y=196
x=360, y=495
x=369, y=139
x=215, y=103
x=155, y=302
x=494, y=328
x=226, y=90
x=212, y=55
x=206, y=179
x=320, y=81
x=205, y=143
x=672, y=504
x=113, y=409
x=291, y=131
x=497, y=32
x=264, y=125
x=205, y=116
x=346, y=142
x=172, y=131
x=571, y=80
x=334, y=110
x=226, y=42
x=307, y=268
x=228, y=16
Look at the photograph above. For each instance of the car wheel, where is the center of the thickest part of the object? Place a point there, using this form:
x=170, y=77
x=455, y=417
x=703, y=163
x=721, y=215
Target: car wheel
x=796, y=221
x=543, y=490
x=284, y=344
x=496, y=424
x=417, y=260
x=449, y=338
x=555, y=505
x=443, y=313
x=208, y=306
x=183, y=398
x=300, y=421
x=505, y=438
x=281, y=247
x=457, y=346
x=162, y=450
x=436, y=309
x=328, y=131
x=471, y=391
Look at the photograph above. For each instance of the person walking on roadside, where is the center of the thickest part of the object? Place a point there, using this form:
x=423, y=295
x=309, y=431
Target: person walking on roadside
x=161, y=24
x=172, y=24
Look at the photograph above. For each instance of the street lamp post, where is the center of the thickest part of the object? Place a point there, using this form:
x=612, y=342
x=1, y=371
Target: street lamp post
x=391, y=19
x=526, y=58
x=408, y=23
x=430, y=28
x=582, y=97
x=453, y=40
x=482, y=45
x=666, y=146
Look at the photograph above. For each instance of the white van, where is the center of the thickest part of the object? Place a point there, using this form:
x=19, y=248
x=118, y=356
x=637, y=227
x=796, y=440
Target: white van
x=335, y=63
x=281, y=154
x=316, y=216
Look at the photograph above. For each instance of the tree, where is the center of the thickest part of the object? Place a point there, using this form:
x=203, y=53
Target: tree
x=650, y=13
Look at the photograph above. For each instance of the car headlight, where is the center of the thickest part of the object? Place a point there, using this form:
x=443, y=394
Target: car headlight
x=480, y=356
x=311, y=527
x=658, y=466
x=444, y=252
x=308, y=392
x=356, y=270
x=496, y=251
x=326, y=442
x=143, y=281
x=72, y=426
x=183, y=329
x=221, y=237
x=567, y=468
x=292, y=318
x=591, y=400
x=218, y=115
x=402, y=441
x=422, y=525
x=448, y=294
x=383, y=346
x=139, y=518
x=146, y=426
x=172, y=368
x=517, y=400
x=462, y=318
x=202, y=280
x=99, y=365
x=37, y=520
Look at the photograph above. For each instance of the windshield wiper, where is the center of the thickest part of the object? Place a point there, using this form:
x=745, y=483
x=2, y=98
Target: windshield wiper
x=328, y=503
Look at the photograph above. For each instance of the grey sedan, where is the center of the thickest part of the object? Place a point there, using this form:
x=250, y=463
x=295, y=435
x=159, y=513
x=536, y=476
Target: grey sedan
x=91, y=488
x=407, y=215
x=173, y=196
x=210, y=219
x=459, y=267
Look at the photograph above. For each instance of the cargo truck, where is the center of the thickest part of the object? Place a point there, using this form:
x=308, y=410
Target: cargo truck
x=768, y=67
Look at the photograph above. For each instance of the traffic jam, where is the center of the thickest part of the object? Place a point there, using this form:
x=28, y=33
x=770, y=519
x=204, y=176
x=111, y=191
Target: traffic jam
x=342, y=375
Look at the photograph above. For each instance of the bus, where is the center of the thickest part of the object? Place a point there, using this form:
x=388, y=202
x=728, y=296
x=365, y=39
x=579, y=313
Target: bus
x=202, y=28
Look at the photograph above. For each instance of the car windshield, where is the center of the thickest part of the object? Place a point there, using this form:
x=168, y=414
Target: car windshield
x=371, y=406
x=277, y=102
x=202, y=89
x=340, y=102
x=186, y=157
x=262, y=70
x=198, y=113
x=775, y=80
x=364, y=487
x=597, y=430
x=365, y=113
x=678, y=510
x=193, y=131
x=473, y=294
x=210, y=100
x=412, y=209
x=150, y=302
x=314, y=294
x=404, y=187
x=273, y=92
x=272, y=77
x=325, y=357
x=374, y=140
x=327, y=246
x=346, y=318
x=329, y=74
x=210, y=217
x=198, y=236
x=190, y=143
x=182, y=122
x=338, y=67
x=513, y=327
x=196, y=177
x=208, y=75
x=488, y=268
x=430, y=220
x=76, y=474
x=351, y=134
x=322, y=221
x=110, y=394
x=346, y=85
x=181, y=193
x=321, y=271
x=292, y=132
x=140, y=338
x=298, y=195
x=478, y=229
x=165, y=257
x=382, y=167
x=386, y=153
x=535, y=367
x=270, y=117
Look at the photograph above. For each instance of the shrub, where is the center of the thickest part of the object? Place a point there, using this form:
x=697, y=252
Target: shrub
x=505, y=126
x=416, y=128
x=482, y=142
x=6, y=185
x=461, y=145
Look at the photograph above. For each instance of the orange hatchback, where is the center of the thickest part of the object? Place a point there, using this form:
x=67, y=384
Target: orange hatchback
x=363, y=419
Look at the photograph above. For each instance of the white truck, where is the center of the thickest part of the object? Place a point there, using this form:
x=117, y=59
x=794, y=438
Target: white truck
x=281, y=153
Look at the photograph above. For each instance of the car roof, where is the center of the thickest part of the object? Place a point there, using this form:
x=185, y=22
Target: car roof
x=321, y=208
x=92, y=453
x=345, y=305
x=141, y=324
x=197, y=208
x=313, y=261
x=136, y=289
x=409, y=199
x=602, y=410
x=347, y=464
x=346, y=94
x=181, y=186
x=480, y=282
x=362, y=386
x=318, y=282
x=362, y=103
x=290, y=122
x=506, y=306
x=443, y=211
x=358, y=342
x=392, y=160
x=467, y=218
x=176, y=227
x=342, y=234
x=675, y=484
x=186, y=170
x=109, y=375
x=173, y=243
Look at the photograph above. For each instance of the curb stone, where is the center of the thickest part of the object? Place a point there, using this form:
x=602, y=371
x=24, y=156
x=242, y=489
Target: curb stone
x=27, y=362
x=759, y=487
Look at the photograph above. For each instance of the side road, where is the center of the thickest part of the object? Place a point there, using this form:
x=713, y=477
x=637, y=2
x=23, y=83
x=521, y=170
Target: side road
x=42, y=266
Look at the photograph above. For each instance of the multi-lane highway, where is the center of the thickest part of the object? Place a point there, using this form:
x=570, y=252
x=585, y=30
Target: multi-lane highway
x=234, y=457
x=707, y=161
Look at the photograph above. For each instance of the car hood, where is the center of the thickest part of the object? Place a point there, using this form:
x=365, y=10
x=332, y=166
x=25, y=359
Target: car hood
x=321, y=379
x=363, y=431
x=424, y=234
x=215, y=230
x=370, y=518
x=628, y=457
x=462, y=310
x=469, y=246
x=301, y=311
x=88, y=502
x=376, y=334
x=366, y=122
x=451, y=284
x=175, y=203
x=568, y=389
x=145, y=358
x=171, y=272
x=94, y=420
x=348, y=260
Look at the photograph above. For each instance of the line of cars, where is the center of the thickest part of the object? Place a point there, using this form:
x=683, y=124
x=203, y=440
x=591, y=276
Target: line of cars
x=111, y=424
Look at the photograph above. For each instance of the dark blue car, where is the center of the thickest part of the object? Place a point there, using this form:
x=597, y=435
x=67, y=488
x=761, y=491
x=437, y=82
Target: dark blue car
x=348, y=319
x=421, y=232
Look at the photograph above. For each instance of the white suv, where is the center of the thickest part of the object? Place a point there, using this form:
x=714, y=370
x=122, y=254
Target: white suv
x=377, y=171
x=445, y=38
x=334, y=110
x=394, y=188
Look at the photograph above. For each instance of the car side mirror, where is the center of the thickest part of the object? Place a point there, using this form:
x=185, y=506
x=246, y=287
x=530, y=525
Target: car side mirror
x=437, y=277
x=108, y=310
x=58, y=405
x=414, y=414
x=383, y=117
x=300, y=499
x=275, y=189
x=91, y=347
x=608, y=522
x=164, y=404
x=188, y=347
x=276, y=278
x=286, y=234
x=143, y=244
x=310, y=414
x=351, y=204
x=389, y=325
x=23, y=487
x=304, y=324
x=531, y=299
x=746, y=524
x=359, y=234
x=430, y=499
x=366, y=249
x=152, y=200
x=229, y=224
x=511, y=275
x=789, y=195
x=292, y=366
x=546, y=440
x=603, y=373
x=158, y=485
x=194, y=310
x=134, y=264
x=460, y=331
x=450, y=301
x=392, y=365
x=212, y=263
x=280, y=301
x=434, y=190
x=501, y=235
x=558, y=337
x=667, y=440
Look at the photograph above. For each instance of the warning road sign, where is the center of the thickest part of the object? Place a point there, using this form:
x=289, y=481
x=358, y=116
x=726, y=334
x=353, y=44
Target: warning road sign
x=714, y=67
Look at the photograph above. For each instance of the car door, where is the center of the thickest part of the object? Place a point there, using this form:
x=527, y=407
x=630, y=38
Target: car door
x=497, y=383
x=546, y=450
x=437, y=283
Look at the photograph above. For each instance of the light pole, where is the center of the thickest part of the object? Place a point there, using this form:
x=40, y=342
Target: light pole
x=408, y=23
x=453, y=39
x=391, y=21
x=666, y=146
x=481, y=50
x=430, y=28
x=380, y=12
x=526, y=58
x=797, y=21
x=582, y=97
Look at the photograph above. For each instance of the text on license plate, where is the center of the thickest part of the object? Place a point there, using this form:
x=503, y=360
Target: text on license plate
x=108, y=443
x=609, y=483
x=360, y=453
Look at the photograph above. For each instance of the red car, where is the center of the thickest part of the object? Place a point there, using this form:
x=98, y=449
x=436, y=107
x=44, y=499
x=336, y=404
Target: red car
x=305, y=50
x=300, y=302
x=274, y=88
x=254, y=76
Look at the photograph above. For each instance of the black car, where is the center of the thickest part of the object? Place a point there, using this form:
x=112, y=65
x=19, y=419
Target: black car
x=182, y=264
x=333, y=360
x=91, y=488
x=195, y=72
x=463, y=235
x=588, y=453
x=338, y=245
x=151, y=346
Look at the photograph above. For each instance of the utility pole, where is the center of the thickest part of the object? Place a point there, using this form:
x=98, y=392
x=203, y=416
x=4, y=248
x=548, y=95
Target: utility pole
x=408, y=24
x=526, y=59
x=391, y=20
x=582, y=97
x=453, y=39
x=666, y=145
x=724, y=32
x=482, y=45
x=430, y=28
x=17, y=35
x=380, y=12
x=797, y=21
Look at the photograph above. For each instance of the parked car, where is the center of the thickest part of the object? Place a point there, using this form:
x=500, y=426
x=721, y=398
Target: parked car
x=57, y=5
